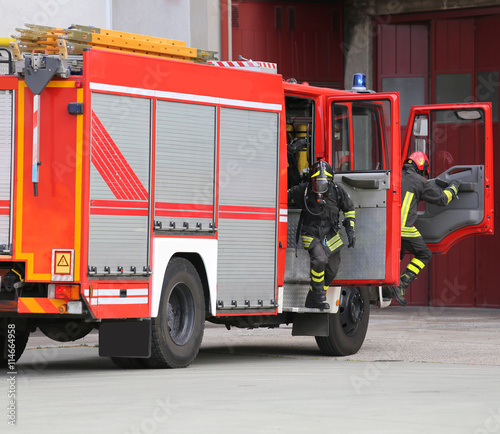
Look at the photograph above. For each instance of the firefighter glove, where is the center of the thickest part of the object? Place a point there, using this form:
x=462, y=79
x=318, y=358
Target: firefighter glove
x=349, y=230
x=351, y=238
x=453, y=188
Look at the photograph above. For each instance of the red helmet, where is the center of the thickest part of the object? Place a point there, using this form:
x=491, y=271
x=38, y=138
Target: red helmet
x=420, y=161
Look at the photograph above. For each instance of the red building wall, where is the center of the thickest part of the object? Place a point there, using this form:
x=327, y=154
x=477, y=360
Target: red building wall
x=303, y=38
x=429, y=46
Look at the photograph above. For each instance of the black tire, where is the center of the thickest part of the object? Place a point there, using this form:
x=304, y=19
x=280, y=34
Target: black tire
x=67, y=331
x=128, y=362
x=178, y=329
x=22, y=337
x=347, y=327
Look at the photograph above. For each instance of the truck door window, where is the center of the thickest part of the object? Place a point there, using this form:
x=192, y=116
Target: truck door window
x=359, y=138
x=419, y=140
x=456, y=138
x=450, y=138
x=341, y=159
x=300, y=117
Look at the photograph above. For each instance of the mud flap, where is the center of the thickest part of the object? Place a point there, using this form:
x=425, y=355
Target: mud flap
x=125, y=339
x=311, y=324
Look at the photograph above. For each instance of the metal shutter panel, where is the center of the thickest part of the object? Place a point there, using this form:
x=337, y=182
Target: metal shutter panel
x=122, y=239
x=184, y=160
x=248, y=177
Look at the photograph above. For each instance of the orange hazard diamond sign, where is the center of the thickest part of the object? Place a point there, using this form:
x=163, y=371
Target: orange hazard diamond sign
x=62, y=262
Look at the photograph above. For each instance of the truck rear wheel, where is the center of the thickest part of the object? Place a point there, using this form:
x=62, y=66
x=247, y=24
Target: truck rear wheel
x=347, y=327
x=178, y=329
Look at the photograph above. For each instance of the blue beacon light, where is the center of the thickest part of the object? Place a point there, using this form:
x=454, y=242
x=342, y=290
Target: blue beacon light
x=359, y=82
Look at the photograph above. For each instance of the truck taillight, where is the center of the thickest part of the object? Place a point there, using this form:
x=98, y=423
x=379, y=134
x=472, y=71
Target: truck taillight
x=62, y=291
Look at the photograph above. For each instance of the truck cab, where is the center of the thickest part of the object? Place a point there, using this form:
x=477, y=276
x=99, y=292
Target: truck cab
x=359, y=134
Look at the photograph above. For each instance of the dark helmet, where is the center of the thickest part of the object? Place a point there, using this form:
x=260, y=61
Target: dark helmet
x=321, y=176
x=420, y=161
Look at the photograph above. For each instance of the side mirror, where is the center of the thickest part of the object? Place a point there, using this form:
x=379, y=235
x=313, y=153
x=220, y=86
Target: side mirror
x=421, y=126
x=468, y=115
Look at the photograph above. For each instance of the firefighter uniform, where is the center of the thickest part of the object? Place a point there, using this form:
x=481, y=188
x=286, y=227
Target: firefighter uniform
x=414, y=188
x=320, y=233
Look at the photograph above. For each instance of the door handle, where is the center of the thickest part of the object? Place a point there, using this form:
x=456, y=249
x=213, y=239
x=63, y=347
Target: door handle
x=465, y=187
x=363, y=184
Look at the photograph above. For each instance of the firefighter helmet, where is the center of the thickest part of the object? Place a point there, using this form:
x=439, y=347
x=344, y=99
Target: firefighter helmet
x=321, y=176
x=420, y=161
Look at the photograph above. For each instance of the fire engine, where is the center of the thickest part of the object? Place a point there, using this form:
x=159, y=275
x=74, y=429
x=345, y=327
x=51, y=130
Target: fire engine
x=143, y=194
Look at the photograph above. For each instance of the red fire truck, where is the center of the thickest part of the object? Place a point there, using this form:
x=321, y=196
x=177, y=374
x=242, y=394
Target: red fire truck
x=142, y=196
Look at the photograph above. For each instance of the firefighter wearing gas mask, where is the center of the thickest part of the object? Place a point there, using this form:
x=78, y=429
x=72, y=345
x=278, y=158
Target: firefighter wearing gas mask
x=321, y=201
x=415, y=186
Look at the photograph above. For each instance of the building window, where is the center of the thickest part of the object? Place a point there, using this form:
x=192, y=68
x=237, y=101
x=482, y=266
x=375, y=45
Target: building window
x=278, y=14
x=291, y=17
x=487, y=90
x=411, y=92
x=235, y=16
x=453, y=88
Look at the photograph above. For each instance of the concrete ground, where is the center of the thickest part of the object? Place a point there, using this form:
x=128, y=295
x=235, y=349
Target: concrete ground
x=410, y=334
x=266, y=381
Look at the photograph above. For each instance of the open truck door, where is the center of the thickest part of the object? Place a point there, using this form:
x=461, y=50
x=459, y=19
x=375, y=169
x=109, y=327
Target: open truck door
x=363, y=149
x=458, y=140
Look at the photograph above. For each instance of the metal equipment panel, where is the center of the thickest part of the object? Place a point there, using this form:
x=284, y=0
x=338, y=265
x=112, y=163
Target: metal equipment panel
x=6, y=139
x=118, y=241
x=248, y=160
x=247, y=263
x=119, y=185
x=185, y=166
x=247, y=209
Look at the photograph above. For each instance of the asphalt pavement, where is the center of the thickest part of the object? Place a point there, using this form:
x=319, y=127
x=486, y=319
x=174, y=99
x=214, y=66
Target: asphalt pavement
x=421, y=370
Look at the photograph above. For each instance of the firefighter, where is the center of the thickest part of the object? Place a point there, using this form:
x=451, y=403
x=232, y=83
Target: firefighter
x=321, y=200
x=414, y=188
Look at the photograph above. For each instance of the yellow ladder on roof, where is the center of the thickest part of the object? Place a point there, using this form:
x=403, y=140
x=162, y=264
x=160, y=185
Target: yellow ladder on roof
x=77, y=38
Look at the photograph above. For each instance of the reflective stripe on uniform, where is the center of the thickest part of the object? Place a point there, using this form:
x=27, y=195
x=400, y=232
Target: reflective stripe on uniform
x=405, y=208
x=410, y=232
x=448, y=195
x=317, y=276
x=350, y=214
x=306, y=241
x=415, y=265
x=334, y=243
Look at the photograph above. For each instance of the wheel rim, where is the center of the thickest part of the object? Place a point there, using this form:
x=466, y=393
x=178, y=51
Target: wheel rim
x=351, y=309
x=180, y=314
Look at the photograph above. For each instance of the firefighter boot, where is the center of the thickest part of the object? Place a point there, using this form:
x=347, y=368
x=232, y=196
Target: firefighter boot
x=406, y=278
x=316, y=299
x=387, y=293
x=399, y=295
x=404, y=281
